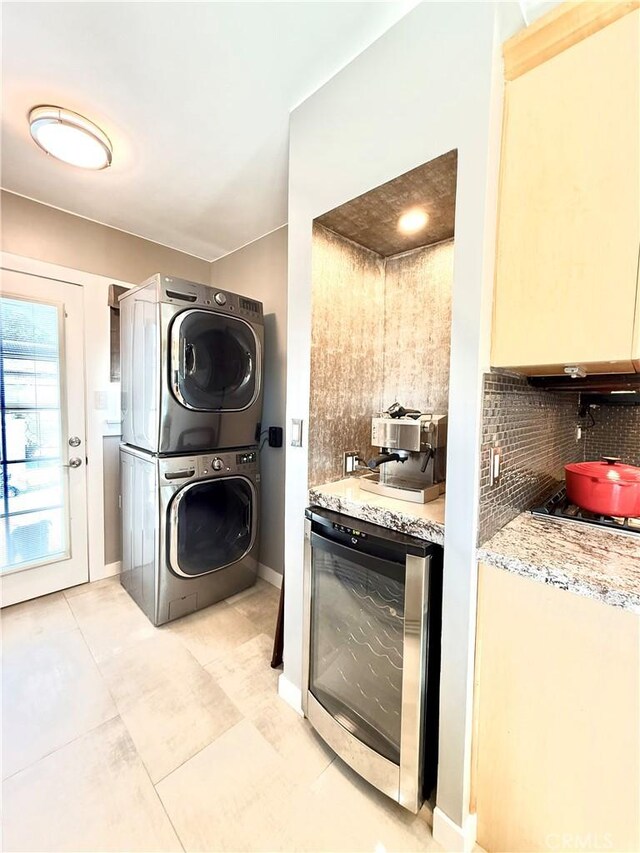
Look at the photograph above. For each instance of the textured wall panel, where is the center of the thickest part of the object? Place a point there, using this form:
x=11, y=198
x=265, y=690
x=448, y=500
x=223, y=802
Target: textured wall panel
x=418, y=328
x=346, y=351
x=616, y=433
x=536, y=431
x=380, y=332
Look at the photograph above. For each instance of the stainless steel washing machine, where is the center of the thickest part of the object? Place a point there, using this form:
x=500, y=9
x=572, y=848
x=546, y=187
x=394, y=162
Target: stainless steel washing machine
x=192, y=363
x=190, y=531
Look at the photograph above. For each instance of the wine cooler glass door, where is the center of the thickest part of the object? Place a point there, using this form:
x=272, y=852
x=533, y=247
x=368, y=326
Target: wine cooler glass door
x=356, y=649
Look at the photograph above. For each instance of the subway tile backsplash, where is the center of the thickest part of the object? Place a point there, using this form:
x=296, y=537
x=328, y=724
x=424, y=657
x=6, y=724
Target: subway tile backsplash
x=536, y=433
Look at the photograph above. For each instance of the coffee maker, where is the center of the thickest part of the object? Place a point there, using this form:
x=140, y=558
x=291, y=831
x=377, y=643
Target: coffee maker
x=412, y=464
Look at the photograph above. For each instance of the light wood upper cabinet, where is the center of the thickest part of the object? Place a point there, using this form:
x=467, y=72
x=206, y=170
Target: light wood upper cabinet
x=566, y=289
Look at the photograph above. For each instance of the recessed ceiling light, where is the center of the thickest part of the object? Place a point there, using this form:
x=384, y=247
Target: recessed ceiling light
x=413, y=220
x=70, y=137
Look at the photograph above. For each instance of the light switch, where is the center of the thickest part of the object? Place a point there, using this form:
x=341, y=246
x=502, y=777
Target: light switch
x=296, y=432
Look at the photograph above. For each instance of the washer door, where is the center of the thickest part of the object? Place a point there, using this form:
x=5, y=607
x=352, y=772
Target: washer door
x=214, y=361
x=210, y=525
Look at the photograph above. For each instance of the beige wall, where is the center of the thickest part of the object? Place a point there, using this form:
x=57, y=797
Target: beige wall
x=260, y=270
x=37, y=231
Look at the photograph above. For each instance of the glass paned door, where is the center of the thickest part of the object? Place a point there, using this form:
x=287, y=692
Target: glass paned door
x=211, y=525
x=34, y=494
x=357, y=625
x=215, y=361
x=42, y=444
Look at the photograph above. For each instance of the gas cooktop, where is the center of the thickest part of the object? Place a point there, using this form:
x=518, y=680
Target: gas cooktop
x=559, y=507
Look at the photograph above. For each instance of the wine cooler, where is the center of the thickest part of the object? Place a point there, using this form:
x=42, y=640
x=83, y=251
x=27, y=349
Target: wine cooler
x=373, y=603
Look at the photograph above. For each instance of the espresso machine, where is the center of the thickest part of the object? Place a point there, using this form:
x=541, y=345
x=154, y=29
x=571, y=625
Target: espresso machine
x=412, y=462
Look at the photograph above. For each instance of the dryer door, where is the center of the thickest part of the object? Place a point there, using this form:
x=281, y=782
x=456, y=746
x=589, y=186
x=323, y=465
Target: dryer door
x=211, y=525
x=215, y=361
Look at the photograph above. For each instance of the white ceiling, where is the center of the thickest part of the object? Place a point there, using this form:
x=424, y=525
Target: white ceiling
x=194, y=96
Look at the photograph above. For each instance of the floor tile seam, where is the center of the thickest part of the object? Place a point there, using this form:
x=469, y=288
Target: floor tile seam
x=155, y=790
x=96, y=663
x=64, y=745
x=44, y=637
x=124, y=711
x=242, y=719
x=103, y=662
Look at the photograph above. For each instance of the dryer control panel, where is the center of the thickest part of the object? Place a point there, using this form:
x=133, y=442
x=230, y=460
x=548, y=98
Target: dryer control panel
x=177, y=291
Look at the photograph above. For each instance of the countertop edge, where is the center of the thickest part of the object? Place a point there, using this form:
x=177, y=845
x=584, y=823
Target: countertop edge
x=431, y=531
x=559, y=579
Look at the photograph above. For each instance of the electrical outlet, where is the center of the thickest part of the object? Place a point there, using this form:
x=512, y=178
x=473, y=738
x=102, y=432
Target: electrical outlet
x=349, y=462
x=494, y=465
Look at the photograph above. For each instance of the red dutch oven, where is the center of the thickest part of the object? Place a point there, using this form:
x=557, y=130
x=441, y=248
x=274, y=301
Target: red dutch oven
x=607, y=487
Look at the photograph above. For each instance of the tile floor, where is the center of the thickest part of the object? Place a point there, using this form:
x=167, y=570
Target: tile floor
x=121, y=736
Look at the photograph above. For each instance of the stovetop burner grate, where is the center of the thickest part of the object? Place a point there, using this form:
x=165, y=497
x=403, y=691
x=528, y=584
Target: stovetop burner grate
x=559, y=507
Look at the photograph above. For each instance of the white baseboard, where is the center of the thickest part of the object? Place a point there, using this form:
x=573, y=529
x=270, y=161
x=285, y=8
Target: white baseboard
x=107, y=571
x=291, y=694
x=454, y=838
x=270, y=575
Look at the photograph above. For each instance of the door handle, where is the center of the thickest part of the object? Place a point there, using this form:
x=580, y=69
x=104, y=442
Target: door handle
x=180, y=475
x=74, y=462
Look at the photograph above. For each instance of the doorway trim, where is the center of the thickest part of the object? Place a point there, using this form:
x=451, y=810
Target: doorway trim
x=95, y=291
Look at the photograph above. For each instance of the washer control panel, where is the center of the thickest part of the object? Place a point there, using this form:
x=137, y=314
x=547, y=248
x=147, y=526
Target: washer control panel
x=220, y=299
x=246, y=458
x=217, y=464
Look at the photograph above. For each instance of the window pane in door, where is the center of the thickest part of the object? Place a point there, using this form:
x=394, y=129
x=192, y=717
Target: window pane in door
x=357, y=630
x=33, y=487
x=214, y=524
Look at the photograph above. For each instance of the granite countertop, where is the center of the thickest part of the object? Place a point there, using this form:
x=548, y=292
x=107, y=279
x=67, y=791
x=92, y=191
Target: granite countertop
x=583, y=559
x=426, y=521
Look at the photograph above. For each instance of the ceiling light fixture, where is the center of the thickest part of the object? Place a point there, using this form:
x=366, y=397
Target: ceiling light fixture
x=412, y=221
x=70, y=137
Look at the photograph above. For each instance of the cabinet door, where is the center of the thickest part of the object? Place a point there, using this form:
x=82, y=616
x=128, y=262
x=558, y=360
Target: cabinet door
x=569, y=219
x=557, y=704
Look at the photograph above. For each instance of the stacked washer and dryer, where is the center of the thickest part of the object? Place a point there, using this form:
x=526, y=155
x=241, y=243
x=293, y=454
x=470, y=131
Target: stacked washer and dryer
x=191, y=371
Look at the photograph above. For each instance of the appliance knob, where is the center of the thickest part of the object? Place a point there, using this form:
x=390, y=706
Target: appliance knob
x=220, y=298
x=217, y=464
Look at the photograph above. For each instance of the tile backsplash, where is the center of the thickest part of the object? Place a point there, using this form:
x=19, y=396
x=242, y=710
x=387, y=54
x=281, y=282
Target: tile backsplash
x=616, y=432
x=536, y=433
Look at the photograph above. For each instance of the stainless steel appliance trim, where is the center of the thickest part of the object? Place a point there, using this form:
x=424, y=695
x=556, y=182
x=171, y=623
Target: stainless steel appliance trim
x=386, y=432
x=306, y=598
x=175, y=324
x=173, y=523
x=371, y=483
x=372, y=766
x=413, y=681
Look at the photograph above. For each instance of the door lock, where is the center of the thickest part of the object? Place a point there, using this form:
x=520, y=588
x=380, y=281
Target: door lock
x=74, y=441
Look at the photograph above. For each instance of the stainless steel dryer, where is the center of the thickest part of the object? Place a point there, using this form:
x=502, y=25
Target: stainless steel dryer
x=192, y=362
x=190, y=531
